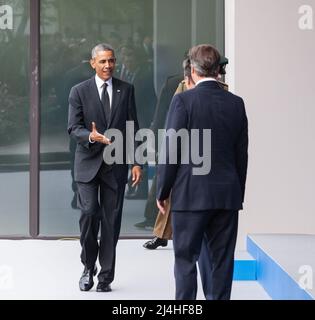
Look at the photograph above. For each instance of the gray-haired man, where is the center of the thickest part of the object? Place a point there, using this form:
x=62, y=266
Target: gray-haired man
x=95, y=105
x=205, y=207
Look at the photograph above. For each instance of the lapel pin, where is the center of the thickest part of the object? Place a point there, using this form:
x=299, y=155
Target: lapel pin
x=118, y=91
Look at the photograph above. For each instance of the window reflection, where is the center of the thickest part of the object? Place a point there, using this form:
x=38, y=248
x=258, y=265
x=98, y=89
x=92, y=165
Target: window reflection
x=149, y=38
x=14, y=123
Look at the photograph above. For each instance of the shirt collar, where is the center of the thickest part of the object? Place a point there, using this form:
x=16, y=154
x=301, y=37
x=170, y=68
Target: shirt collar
x=100, y=82
x=204, y=80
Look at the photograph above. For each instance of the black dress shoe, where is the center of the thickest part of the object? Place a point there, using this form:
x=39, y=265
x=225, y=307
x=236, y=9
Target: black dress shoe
x=86, y=281
x=154, y=243
x=103, y=287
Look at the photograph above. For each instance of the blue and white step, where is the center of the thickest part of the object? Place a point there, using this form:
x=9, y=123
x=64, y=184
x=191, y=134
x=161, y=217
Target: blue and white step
x=244, y=267
x=285, y=264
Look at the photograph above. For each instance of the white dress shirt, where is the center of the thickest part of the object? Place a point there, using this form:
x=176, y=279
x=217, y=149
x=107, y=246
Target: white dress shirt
x=204, y=80
x=100, y=84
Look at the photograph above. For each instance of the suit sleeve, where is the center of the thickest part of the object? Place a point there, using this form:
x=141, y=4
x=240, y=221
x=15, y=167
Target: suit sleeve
x=167, y=170
x=76, y=126
x=242, y=150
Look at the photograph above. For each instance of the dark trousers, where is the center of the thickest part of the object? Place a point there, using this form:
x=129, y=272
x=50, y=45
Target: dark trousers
x=151, y=210
x=208, y=237
x=101, y=202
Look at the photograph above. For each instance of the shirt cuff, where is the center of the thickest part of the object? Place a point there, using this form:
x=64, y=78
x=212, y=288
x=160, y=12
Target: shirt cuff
x=90, y=139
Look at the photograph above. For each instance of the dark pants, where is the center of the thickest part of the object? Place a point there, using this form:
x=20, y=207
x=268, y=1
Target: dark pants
x=101, y=202
x=208, y=237
x=151, y=210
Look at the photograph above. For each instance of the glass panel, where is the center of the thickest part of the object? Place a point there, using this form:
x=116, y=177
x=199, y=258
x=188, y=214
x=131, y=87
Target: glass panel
x=150, y=38
x=14, y=115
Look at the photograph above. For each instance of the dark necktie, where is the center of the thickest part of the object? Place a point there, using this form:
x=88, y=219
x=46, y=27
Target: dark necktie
x=106, y=102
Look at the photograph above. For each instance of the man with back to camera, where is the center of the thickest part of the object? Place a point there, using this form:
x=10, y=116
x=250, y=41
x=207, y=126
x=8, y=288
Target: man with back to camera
x=206, y=205
x=95, y=105
x=162, y=229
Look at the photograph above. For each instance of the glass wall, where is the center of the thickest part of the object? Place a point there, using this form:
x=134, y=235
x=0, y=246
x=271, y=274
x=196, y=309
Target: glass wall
x=14, y=118
x=150, y=38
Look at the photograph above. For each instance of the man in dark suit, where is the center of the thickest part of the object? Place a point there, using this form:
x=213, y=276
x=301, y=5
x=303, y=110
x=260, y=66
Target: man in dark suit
x=96, y=105
x=162, y=225
x=205, y=203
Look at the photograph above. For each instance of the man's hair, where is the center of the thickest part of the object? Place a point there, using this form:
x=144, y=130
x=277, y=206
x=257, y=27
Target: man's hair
x=205, y=59
x=187, y=68
x=101, y=47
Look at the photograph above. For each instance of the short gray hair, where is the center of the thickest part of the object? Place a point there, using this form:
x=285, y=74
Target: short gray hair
x=101, y=47
x=205, y=58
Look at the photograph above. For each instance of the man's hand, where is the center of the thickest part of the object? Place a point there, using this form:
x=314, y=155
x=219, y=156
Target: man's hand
x=136, y=175
x=162, y=204
x=95, y=136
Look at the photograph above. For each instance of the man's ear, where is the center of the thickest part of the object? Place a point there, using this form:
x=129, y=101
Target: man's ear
x=193, y=70
x=194, y=74
x=92, y=63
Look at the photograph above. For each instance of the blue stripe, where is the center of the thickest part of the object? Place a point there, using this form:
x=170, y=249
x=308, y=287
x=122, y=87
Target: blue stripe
x=244, y=270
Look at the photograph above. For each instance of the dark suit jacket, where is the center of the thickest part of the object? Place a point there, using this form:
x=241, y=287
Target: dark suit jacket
x=208, y=107
x=85, y=107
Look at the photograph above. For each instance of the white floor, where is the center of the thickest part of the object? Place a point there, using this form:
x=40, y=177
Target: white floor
x=34, y=269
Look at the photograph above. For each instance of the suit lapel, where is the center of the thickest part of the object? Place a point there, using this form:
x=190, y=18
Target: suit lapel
x=96, y=100
x=115, y=99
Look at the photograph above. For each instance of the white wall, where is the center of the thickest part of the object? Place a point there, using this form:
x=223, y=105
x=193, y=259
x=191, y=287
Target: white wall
x=273, y=69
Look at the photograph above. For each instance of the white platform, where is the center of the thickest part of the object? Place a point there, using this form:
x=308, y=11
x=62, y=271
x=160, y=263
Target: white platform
x=289, y=257
x=35, y=269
